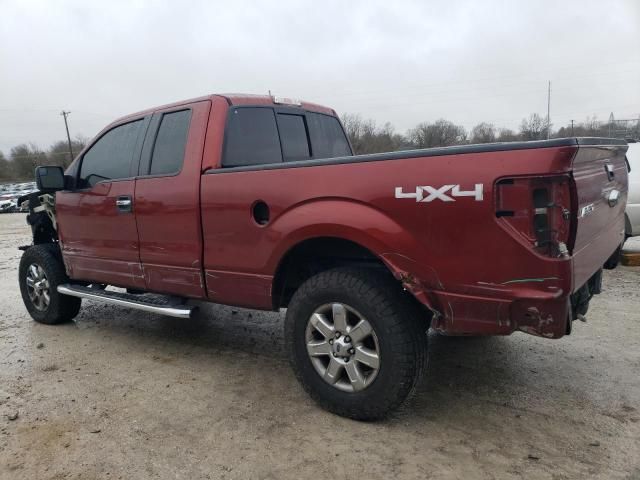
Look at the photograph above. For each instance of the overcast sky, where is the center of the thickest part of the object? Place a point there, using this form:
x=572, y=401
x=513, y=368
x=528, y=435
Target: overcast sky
x=402, y=62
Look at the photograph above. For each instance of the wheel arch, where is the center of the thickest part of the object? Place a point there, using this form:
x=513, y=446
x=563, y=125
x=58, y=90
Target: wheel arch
x=314, y=255
x=367, y=235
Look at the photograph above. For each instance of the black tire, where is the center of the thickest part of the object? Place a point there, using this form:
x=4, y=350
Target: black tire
x=400, y=326
x=61, y=308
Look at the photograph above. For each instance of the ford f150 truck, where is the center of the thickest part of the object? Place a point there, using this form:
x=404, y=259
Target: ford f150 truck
x=259, y=202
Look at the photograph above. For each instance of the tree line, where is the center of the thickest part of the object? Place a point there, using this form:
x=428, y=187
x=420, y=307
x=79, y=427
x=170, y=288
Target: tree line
x=24, y=158
x=366, y=136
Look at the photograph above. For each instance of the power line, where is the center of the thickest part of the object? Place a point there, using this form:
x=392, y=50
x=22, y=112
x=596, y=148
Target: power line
x=572, y=72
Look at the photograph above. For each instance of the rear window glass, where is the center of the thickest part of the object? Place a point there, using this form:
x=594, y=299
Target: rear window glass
x=251, y=138
x=168, y=152
x=327, y=137
x=293, y=137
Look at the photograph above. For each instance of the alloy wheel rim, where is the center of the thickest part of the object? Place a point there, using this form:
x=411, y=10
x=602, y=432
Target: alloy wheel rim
x=38, y=287
x=343, y=347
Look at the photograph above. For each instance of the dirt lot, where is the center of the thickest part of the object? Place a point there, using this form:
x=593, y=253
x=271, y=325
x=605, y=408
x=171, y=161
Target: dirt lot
x=126, y=395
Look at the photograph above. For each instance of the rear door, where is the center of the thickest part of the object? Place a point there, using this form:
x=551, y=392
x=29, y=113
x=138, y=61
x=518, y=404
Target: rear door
x=600, y=174
x=96, y=223
x=167, y=200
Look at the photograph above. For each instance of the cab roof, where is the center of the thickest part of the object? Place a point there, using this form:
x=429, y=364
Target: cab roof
x=234, y=99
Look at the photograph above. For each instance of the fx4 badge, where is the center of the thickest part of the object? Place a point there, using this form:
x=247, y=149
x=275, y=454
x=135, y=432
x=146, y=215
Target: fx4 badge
x=587, y=210
x=425, y=193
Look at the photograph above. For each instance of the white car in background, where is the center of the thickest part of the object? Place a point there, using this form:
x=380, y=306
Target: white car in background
x=10, y=194
x=7, y=206
x=632, y=213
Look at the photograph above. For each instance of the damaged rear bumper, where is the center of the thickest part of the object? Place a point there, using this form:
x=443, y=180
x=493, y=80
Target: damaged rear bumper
x=545, y=305
x=544, y=314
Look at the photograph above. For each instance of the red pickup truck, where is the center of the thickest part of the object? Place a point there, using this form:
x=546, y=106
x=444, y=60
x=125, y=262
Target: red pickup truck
x=258, y=202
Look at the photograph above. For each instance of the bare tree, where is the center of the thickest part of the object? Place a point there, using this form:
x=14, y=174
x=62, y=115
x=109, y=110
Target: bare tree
x=5, y=168
x=24, y=160
x=507, y=135
x=58, y=153
x=591, y=127
x=366, y=137
x=483, y=133
x=352, y=124
x=441, y=133
x=534, y=128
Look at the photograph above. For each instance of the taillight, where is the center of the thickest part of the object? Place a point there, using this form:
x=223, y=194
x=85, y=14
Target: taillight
x=538, y=209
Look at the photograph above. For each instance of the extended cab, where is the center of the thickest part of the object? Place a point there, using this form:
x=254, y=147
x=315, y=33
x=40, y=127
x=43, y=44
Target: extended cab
x=259, y=202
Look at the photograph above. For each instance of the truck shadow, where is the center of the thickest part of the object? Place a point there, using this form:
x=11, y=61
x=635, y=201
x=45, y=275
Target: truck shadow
x=462, y=371
x=225, y=375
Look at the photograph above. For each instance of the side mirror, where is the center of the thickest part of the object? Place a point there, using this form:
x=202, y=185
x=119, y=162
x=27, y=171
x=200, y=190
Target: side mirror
x=50, y=179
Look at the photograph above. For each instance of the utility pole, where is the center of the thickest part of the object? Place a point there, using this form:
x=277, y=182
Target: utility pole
x=549, y=111
x=66, y=125
x=572, y=128
x=611, y=120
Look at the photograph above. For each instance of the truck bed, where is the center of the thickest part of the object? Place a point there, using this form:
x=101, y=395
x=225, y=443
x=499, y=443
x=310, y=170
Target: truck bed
x=438, y=151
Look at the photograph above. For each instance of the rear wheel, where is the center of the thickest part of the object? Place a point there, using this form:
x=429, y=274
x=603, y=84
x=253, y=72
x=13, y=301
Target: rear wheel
x=40, y=272
x=357, y=341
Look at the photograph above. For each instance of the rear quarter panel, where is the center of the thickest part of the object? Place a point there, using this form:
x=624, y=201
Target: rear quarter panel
x=457, y=247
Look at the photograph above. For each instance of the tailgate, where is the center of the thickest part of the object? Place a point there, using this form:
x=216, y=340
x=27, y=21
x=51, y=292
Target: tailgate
x=600, y=174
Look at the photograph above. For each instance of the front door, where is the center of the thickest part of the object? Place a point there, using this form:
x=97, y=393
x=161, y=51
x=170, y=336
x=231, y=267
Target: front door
x=96, y=221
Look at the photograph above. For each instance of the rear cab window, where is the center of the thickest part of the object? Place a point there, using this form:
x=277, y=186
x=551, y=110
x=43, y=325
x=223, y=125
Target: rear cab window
x=270, y=135
x=251, y=138
x=327, y=136
x=293, y=137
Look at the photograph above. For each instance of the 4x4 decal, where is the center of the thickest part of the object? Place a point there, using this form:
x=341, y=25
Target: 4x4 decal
x=426, y=193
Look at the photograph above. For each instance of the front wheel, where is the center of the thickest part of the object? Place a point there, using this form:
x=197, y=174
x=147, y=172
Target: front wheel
x=357, y=341
x=40, y=272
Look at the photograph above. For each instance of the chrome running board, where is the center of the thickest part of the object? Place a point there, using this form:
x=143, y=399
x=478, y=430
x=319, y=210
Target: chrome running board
x=154, y=305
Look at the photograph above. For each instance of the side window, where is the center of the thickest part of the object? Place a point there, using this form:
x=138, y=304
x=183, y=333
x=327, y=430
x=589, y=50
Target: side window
x=110, y=157
x=168, y=151
x=251, y=138
x=327, y=137
x=293, y=137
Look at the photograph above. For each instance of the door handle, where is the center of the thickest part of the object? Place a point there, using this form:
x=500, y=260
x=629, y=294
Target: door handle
x=124, y=204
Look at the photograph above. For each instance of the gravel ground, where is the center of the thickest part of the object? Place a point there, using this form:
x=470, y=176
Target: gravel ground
x=126, y=395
